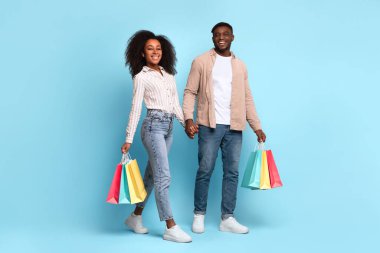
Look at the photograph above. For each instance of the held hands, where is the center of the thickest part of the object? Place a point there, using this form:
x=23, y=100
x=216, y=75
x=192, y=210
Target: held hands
x=190, y=128
x=261, y=137
x=126, y=146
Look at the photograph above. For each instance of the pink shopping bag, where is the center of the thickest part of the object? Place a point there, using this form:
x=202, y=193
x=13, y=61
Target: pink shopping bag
x=113, y=194
x=275, y=180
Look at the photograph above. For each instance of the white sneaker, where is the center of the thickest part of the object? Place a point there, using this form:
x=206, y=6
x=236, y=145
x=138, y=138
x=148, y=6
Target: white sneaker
x=135, y=223
x=231, y=225
x=176, y=234
x=198, y=223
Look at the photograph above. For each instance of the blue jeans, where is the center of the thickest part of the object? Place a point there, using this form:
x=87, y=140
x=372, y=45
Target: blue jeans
x=209, y=142
x=157, y=137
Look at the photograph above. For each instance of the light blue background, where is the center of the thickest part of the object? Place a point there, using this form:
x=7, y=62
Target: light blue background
x=66, y=95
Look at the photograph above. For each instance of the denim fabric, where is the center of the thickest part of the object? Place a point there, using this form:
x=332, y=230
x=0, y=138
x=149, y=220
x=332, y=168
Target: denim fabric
x=209, y=142
x=157, y=137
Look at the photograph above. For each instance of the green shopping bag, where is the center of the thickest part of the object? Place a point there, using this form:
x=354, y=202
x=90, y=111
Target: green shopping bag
x=124, y=196
x=252, y=172
x=248, y=170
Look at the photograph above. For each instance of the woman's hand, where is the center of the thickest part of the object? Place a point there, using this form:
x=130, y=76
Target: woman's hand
x=126, y=146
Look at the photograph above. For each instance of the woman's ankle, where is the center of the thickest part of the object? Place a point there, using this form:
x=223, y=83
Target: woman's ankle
x=170, y=223
x=138, y=210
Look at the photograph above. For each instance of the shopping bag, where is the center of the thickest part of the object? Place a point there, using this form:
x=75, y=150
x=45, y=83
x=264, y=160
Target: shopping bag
x=275, y=180
x=256, y=174
x=264, y=175
x=251, y=178
x=135, y=183
x=124, y=197
x=113, y=194
x=248, y=170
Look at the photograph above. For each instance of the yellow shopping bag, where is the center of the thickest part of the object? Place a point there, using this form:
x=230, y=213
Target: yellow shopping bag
x=135, y=183
x=264, y=177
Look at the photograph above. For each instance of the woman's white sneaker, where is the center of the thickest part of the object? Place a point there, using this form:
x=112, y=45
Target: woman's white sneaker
x=198, y=223
x=135, y=223
x=176, y=234
x=231, y=225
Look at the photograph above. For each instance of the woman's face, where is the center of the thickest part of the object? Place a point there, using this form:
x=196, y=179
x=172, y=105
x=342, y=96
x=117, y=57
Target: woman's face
x=152, y=52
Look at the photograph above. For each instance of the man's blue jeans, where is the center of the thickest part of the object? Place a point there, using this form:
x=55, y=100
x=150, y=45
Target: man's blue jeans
x=209, y=142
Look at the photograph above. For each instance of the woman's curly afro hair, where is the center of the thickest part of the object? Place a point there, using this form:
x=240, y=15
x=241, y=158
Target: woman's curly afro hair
x=135, y=49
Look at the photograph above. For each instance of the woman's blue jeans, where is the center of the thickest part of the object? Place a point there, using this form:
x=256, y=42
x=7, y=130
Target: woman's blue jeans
x=157, y=136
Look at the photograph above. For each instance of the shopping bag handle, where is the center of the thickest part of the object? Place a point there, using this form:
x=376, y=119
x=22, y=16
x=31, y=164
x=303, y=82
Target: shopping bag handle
x=259, y=146
x=125, y=158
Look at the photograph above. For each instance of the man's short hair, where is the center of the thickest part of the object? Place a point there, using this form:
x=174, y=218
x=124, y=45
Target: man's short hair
x=222, y=24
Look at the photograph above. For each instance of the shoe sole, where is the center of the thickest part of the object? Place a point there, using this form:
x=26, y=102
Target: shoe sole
x=198, y=232
x=172, y=239
x=137, y=232
x=231, y=231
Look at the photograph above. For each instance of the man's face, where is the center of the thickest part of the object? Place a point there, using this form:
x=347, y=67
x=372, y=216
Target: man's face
x=222, y=38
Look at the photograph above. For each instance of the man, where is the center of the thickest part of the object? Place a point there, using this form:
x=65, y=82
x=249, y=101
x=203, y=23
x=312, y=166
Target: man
x=219, y=82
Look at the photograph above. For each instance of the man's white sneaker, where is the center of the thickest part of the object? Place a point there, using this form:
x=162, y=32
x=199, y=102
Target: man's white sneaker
x=135, y=223
x=198, y=223
x=231, y=225
x=176, y=234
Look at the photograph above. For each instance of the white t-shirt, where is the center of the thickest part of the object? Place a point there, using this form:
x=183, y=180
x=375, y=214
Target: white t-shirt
x=222, y=80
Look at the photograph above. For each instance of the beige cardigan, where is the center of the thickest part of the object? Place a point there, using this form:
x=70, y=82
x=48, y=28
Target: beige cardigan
x=199, y=85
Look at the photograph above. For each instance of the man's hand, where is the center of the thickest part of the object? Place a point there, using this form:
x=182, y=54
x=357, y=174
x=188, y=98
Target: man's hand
x=190, y=128
x=261, y=137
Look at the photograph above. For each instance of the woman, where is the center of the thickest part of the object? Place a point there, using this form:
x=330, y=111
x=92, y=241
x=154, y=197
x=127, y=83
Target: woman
x=151, y=61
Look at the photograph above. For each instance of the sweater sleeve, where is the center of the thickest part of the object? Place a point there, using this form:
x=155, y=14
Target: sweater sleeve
x=177, y=108
x=134, y=116
x=252, y=117
x=191, y=90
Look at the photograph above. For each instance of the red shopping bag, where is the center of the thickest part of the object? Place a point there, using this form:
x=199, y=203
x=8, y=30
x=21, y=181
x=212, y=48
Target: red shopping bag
x=275, y=180
x=113, y=194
